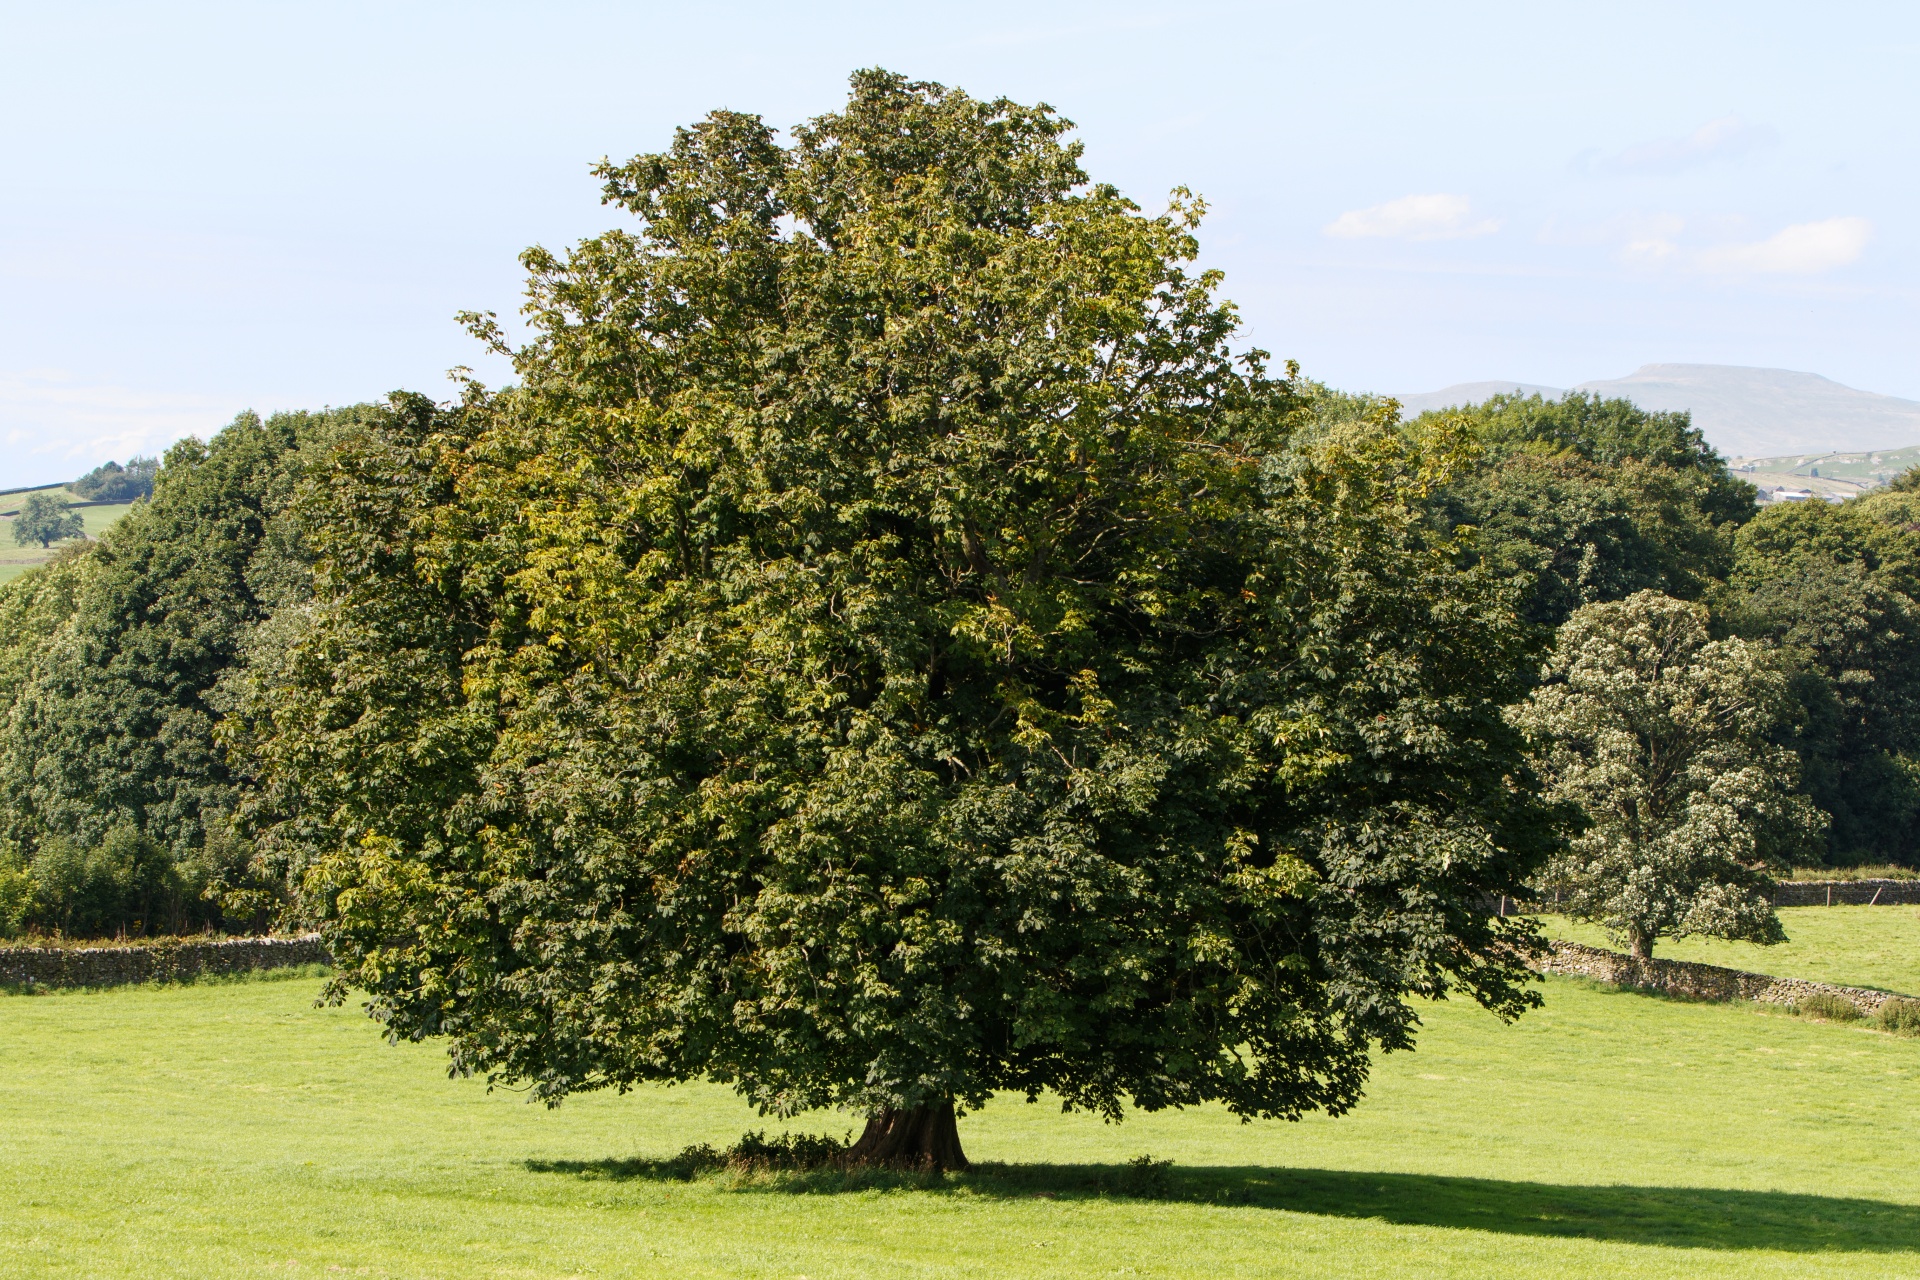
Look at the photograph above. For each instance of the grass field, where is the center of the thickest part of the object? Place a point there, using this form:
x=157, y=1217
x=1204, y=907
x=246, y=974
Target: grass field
x=16, y=560
x=236, y=1130
x=1855, y=946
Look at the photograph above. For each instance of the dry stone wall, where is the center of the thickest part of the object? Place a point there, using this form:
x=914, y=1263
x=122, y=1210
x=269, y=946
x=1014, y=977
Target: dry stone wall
x=1698, y=981
x=167, y=960
x=1852, y=893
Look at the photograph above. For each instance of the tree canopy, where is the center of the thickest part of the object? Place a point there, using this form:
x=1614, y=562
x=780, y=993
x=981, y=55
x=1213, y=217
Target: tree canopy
x=45, y=519
x=1586, y=500
x=111, y=482
x=114, y=792
x=1660, y=734
x=1835, y=587
x=890, y=647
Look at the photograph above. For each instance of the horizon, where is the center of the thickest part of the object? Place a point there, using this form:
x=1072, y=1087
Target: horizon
x=222, y=208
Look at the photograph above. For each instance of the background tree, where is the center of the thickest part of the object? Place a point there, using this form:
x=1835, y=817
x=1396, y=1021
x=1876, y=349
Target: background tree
x=44, y=519
x=1660, y=735
x=114, y=794
x=1587, y=500
x=1835, y=588
x=111, y=482
x=890, y=649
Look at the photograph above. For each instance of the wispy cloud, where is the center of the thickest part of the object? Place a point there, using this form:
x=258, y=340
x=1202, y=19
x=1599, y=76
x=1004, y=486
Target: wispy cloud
x=53, y=426
x=1724, y=139
x=1658, y=240
x=1804, y=248
x=1431, y=217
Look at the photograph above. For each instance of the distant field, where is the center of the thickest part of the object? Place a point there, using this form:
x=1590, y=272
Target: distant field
x=236, y=1130
x=1841, y=473
x=16, y=560
x=1853, y=946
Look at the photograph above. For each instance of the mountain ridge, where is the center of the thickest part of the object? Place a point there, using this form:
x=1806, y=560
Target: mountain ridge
x=1744, y=411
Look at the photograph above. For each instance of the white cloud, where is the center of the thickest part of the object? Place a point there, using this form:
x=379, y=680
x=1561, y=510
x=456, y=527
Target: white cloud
x=1435, y=217
x=1722, y=139
x=53, y=427
x=1801, y=249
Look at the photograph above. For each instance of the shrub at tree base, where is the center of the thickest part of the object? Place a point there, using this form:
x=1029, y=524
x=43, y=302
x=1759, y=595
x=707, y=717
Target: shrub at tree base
x=889, y=649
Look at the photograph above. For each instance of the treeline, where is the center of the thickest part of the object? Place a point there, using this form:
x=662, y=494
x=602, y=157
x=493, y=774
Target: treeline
x=129, y=751
x=1591, y=500
x=119, y=799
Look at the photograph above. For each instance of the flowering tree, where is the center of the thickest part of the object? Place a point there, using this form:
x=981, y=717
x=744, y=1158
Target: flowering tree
x=1660, y=735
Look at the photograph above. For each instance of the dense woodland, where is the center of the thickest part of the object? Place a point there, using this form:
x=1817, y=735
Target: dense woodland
x=121, y=661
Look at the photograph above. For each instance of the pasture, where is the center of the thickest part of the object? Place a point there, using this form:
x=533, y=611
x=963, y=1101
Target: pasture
x=16, y=560
x=236, y=1130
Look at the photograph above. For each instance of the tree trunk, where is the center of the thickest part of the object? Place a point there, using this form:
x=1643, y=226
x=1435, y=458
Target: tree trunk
x=923, y=1137
x=1640, y=945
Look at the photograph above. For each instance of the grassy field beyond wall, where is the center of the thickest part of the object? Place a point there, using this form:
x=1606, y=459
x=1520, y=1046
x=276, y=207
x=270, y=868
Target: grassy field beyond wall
x=16, y=560
x=237, y=1130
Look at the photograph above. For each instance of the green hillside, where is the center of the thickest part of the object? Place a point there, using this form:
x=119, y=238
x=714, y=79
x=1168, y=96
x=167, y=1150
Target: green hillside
x=1845, y=474
x=16, y=560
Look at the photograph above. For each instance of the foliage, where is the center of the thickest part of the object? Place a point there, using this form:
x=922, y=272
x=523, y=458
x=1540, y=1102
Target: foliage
x=16, y=893
x=112, y=786
x=45, y=519
x=1660, y=735
x=111, y=482
x=889, y=649
x=1589, y=500
x=1835, y=588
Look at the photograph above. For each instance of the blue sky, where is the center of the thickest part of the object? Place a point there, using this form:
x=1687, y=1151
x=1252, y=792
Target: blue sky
x=206, y=208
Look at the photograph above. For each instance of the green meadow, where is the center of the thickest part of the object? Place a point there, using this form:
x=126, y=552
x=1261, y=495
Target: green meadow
x=237, y=1130
x=1855, y=946
x=16, y=560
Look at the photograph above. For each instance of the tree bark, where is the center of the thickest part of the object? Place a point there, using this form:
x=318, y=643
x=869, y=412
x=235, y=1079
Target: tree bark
x=923, y=1137
x=1640, y=945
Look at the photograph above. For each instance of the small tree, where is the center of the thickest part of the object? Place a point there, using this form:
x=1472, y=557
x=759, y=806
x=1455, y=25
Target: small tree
x=1660, y=735
x=45, y=519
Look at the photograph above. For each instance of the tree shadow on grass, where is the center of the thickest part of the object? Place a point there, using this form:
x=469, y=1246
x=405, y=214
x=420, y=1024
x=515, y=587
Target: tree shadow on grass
x=1675, y=1217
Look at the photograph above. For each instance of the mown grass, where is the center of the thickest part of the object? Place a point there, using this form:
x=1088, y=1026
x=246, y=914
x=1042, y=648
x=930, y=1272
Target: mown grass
x=236, y=1130
x=1854, y=946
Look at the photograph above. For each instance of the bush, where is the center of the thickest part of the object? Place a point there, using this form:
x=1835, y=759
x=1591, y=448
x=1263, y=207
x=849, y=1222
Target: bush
x=16, y=895
x=1145, y=1178
x=756, y=1153
x=1901, y=1017
x=1832, y=1008
x=127, y=884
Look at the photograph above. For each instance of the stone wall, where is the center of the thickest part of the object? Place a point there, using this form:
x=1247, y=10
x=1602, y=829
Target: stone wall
x=166, y=960
x=1698, y=981
x=1853, y=893
x=1786, y=893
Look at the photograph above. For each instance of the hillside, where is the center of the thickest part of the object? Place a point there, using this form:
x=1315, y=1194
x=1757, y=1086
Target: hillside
x=16, y=560
x=1744, y=412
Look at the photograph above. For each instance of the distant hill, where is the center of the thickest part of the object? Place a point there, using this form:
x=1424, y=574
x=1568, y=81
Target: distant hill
x=1743, y=412
x=1466, y=393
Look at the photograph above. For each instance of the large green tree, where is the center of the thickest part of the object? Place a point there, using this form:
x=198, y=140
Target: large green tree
x=1586, y=499
x=1836, y=588
x=889, y=648
x=1661, y=735
x=111, y=667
